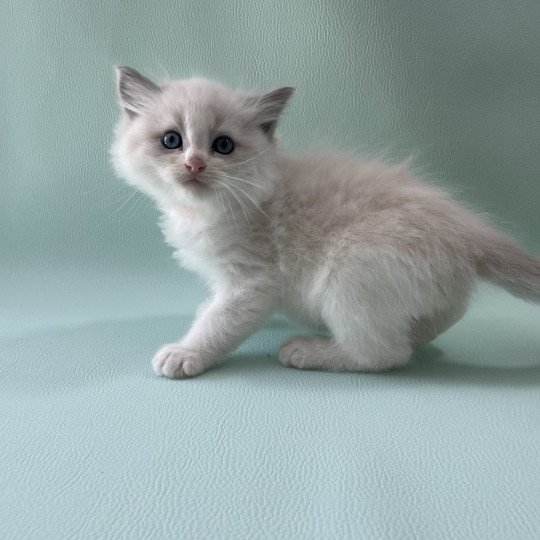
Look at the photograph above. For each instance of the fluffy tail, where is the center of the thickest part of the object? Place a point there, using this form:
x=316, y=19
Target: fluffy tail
x=505, y=263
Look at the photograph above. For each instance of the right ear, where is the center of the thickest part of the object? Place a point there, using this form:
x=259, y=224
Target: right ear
x=134, y=90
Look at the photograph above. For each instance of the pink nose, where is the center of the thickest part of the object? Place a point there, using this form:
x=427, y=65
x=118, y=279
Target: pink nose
x=195, y=165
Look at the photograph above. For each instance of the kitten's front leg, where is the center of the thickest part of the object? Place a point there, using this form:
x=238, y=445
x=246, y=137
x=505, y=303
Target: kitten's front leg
x=219, y=328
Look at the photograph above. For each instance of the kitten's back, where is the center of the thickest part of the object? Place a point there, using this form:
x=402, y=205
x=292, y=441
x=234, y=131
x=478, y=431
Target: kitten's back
x=335, y=199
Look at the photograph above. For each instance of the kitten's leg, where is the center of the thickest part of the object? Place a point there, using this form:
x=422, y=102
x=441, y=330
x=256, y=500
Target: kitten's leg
x=315, y=352
x=363, y=341
x=219, y=328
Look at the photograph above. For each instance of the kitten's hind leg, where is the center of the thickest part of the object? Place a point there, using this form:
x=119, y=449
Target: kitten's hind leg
x=375, y=338
x=314, y=352
x=362, y=341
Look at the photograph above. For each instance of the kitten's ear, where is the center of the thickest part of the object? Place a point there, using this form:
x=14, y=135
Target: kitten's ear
x=134, y=90
x=269, y=107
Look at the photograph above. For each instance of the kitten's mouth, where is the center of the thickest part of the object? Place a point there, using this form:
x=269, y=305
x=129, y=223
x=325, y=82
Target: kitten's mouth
x=194, y=182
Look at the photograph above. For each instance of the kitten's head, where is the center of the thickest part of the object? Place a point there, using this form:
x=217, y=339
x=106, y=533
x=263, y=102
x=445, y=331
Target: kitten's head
x=196, y=141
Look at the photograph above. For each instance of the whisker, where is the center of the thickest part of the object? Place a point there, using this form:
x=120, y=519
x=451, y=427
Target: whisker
x=244, y=209
x=253, y=201
x=132, y=210
x=252, y=157
x=221, y=200
x=242, y=204
x=232, y=211
x=247, y=182
x=129, y=198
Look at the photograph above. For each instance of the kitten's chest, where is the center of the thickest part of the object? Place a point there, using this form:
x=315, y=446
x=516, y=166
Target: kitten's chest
x=219, y=252
x=197, y=244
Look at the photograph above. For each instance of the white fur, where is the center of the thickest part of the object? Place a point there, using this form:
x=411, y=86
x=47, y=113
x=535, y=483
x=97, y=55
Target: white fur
x=377, y=258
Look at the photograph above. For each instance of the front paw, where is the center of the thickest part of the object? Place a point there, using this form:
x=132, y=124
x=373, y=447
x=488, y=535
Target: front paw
x=176, y=362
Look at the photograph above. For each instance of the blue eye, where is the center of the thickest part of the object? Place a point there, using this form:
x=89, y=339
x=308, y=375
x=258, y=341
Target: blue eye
x=171, y=140
x=223, y=145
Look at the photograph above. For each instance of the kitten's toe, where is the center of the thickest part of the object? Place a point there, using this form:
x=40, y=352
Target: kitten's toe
x=176, y=362
x=296, y=352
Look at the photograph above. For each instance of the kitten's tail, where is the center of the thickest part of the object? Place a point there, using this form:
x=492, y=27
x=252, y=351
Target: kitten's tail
x=505, y=263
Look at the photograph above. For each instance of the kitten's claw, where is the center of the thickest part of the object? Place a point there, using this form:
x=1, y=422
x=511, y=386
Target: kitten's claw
x=176, y=362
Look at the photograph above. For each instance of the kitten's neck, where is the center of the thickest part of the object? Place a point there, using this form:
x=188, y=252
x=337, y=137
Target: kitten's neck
x=231, y=217
x=187, y=213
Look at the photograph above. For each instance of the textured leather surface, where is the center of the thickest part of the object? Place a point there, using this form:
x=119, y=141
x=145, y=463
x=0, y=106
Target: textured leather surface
x=93, y=445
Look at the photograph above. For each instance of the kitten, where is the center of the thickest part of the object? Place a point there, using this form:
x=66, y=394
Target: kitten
x=365, y=250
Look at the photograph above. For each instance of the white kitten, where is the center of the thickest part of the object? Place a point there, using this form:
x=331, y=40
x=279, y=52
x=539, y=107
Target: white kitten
x=381, y=260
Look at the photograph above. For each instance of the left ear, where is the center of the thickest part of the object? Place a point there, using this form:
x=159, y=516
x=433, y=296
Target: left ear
x=269, y=107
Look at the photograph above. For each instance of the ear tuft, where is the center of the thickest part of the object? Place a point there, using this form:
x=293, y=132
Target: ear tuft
x=270, y=106
x=134, y=90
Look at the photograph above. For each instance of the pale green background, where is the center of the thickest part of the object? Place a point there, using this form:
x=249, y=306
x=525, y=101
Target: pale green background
x=93, y=445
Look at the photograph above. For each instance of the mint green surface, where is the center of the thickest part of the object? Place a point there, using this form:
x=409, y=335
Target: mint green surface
x=93, y=445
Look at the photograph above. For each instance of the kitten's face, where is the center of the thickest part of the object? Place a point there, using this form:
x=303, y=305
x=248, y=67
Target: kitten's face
x=195, y=141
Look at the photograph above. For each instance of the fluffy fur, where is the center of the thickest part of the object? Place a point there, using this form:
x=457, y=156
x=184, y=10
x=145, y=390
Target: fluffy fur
x=377, y=258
